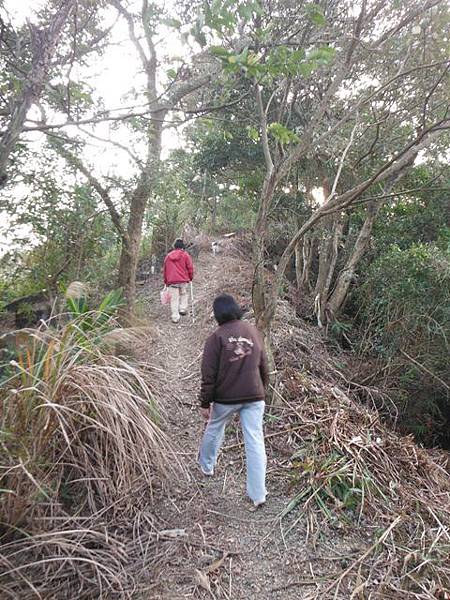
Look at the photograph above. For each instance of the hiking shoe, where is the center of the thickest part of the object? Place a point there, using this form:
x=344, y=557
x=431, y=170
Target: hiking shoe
x=183, y=313
x=255, y=505
x=205, y=473
x=202, y=470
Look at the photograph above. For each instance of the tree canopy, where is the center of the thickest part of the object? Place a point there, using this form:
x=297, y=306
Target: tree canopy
x=320, y=126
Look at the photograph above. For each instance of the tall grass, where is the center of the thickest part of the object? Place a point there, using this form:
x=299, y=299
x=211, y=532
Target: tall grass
x=80, y=448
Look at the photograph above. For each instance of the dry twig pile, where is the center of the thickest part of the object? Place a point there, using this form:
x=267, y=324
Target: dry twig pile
x=349, y=470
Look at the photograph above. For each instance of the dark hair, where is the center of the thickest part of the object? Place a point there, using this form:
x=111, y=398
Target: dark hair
x=226, y=309
x=179, y=244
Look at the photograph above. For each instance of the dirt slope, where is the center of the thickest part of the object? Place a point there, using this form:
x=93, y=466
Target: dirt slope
x=367, y=497
x=214, y=547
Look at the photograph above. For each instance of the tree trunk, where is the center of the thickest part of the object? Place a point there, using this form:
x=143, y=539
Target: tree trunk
x=131, y=243
x=44, y=43
x=308, y=255
x=264, y=310
x=338, y=229
x=214, y=215
x=346, y=276
x=339, y=295
x=263, y=306
x=299, y=253
x=129, y=257
x=325, y=250
x=328, y=255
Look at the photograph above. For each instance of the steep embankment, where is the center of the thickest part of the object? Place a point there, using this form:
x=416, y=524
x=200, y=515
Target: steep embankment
x=353, y=510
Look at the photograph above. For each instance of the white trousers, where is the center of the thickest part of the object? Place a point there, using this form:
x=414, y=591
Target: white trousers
x=178, y=300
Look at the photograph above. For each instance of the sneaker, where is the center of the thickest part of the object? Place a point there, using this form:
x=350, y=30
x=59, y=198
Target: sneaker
x=175, y=320
x=255, y=505
x=205, y=473
x=183, y=312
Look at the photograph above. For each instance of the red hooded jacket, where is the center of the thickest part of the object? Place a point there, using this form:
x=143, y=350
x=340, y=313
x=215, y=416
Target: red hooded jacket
x=178, y=267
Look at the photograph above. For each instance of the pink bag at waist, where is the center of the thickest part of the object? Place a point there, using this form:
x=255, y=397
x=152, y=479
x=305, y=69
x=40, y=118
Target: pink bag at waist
x=165, y=296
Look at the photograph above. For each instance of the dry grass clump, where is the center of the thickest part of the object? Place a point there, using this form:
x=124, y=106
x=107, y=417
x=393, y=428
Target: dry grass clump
x=68, y=563
x=81, y=450
x=352, y=471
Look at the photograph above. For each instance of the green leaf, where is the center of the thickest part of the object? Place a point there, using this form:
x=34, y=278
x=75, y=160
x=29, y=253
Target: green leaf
x=231, y=68
x=252, y=59
x=306, y=68
x=323, y=55
x=171, y=73
x=77, y=306
x=245, y=11
x=175, y=23
x=282, y=134
x=219, y=51
x=315, y=14
x=258, y=9
x=111, y=302
x=243, y=56
x=297, y=55
x=253, y=133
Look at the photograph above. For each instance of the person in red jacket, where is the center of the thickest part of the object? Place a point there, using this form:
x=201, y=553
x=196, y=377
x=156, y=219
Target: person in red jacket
x=178, y=273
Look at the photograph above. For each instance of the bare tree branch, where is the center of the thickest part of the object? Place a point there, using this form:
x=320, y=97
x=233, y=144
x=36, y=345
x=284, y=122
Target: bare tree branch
x=341, y=164
x=405, y=21
x=44, y=46
x=77, y=163
x=263, y=125
x=132, y=32
x=133, y=156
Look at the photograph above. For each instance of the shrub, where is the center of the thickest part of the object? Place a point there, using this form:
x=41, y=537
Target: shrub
x=405, y=310
x=80, y=438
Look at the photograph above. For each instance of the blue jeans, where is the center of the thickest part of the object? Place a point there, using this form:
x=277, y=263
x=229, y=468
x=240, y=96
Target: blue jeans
x=251, y=416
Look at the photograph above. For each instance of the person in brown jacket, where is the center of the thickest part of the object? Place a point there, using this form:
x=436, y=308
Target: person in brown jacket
x=234, y=377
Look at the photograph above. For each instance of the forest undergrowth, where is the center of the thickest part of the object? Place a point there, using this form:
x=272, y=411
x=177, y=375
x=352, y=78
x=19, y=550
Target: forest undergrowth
x=96, y=504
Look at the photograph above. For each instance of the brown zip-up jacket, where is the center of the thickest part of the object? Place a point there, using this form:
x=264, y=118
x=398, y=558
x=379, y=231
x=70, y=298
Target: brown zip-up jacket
x=234, y=365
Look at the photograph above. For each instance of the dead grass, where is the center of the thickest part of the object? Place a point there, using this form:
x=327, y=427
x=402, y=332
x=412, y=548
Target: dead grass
x=81, y=453
x=350, y=470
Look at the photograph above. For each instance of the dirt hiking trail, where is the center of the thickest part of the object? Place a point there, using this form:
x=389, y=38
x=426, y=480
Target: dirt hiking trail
x=211, y=545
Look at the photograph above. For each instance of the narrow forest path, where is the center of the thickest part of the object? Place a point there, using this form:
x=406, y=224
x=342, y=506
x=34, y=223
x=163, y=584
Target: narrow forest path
x=212, y=546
